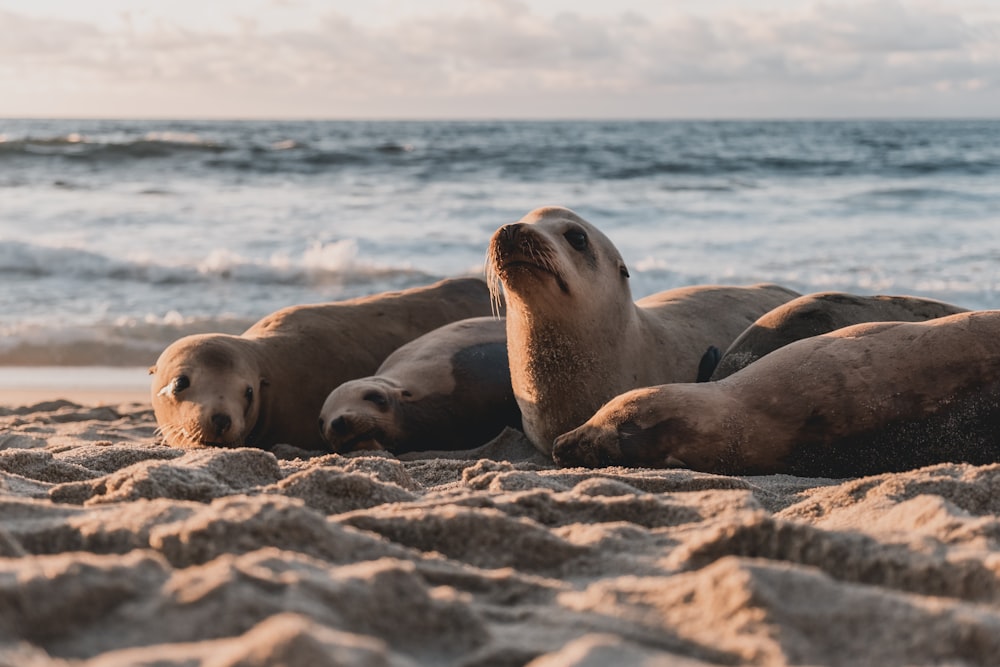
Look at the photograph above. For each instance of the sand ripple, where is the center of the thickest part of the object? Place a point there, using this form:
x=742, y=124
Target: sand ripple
x=116, y=550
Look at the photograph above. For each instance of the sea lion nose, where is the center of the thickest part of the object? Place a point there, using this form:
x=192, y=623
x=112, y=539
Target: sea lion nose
x=339, y=426
x=508, y=233
x=221, y=423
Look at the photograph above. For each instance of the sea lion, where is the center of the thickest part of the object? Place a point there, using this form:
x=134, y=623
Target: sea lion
x=267, y=385
x=575, y=336
x=871, y=398
x=815, y=314
x=449, y=389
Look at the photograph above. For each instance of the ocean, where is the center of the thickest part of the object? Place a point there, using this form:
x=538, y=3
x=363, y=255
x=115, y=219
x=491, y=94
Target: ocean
x=117, y=237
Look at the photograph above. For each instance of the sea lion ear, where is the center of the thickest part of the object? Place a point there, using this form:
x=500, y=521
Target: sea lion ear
x=152, y=370
x=624, y=270
x=264, y=381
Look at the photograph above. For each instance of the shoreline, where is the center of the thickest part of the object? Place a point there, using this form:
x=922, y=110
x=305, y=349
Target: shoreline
x=23, y=386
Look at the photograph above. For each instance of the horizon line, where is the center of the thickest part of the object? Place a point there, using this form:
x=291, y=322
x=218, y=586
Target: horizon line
x=500, y=119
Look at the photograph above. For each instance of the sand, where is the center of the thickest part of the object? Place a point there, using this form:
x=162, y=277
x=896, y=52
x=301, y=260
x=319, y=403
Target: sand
x=116, y=550
x=88, y=385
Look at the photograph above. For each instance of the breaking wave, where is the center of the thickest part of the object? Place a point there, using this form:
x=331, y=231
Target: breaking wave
x=320, y=264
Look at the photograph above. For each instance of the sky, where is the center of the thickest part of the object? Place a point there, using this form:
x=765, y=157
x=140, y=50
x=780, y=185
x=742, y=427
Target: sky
x=499, y=58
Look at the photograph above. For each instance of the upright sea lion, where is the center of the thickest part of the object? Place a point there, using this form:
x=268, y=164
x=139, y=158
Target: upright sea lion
x=871, y=398
x=815, y=314
x=575, y=336
x=267, y=385
x=449, y=389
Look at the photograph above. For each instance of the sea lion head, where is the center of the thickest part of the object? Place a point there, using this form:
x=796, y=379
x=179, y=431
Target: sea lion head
x=206, y=392
x=656, y=427
x=362, y=414
x=568, y=303
x=553, y=257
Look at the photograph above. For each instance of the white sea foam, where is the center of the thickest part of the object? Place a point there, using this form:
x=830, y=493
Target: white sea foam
x=337, y=256
x=176, y=138
x=270, y=214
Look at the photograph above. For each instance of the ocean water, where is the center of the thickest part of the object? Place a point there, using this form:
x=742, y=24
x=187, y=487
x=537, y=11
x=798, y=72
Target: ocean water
x=117, y=237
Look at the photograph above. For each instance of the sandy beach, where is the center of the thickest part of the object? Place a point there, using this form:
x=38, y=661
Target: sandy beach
x=117, y=550
x=87, y=385
x=178, y=168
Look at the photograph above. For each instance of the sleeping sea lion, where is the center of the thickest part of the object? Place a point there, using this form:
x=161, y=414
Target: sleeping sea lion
x=449, y=389
x=871, y=398
x=267, y=385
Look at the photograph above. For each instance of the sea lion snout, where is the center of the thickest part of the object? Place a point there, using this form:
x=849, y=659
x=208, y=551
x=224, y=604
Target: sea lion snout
x=587, y=447
x=335, y=428
x=509, y=233
x=339, y=426
x=514, y=240
x=348, y=432
x=221, y=422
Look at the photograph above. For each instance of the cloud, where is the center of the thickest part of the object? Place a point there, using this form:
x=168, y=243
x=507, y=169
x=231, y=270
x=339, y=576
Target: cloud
x=503, y=48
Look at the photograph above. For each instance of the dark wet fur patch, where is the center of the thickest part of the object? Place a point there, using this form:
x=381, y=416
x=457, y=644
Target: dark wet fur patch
x=966, y=431
x=482, y=362
x=480, y=371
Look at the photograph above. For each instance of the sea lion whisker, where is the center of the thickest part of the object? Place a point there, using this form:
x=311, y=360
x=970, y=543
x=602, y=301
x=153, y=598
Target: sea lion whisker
x=493, y=282
x=542, y=257
x=175, y=435
x=538, y=257
x=199, y=436
x=192, y=438
x=168, y=431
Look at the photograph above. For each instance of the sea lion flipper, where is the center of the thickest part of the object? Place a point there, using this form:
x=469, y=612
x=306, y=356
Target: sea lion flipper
x=708, y=362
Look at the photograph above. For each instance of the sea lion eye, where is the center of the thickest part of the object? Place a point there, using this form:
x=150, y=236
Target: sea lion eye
x=249, y=394
x=376, y=398
x=181, y=382
x=577, y=239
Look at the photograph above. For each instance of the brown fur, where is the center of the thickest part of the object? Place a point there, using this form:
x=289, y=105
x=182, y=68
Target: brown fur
x=866, y=399
x=270, y=382
x=821, y=313
x=449, y=389
x=575, y=336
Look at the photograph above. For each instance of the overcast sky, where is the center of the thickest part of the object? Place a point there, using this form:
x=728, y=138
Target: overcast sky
x=499, y=58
